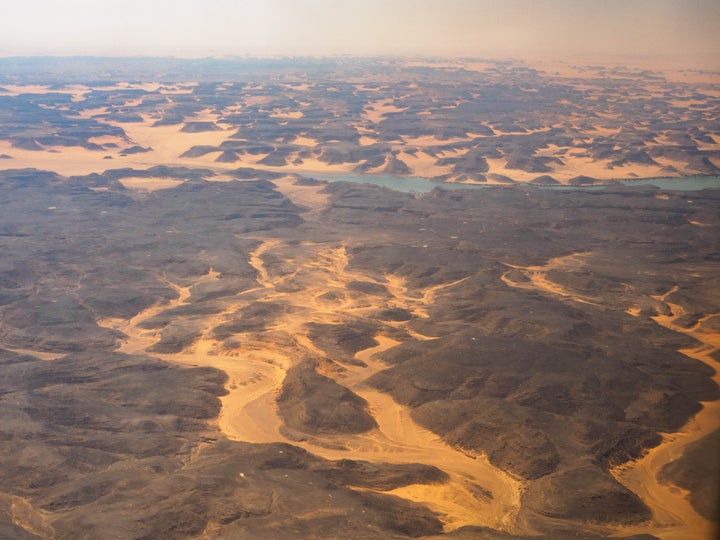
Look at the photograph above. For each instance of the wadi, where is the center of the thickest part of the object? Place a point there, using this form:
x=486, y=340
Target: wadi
x=206, y=333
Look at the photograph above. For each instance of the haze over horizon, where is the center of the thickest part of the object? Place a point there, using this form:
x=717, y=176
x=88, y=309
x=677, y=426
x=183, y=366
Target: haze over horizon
x=660, y=32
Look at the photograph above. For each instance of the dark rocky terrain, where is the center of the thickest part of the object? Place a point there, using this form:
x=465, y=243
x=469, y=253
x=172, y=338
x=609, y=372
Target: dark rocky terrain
x=208, y=340
x=556, y=388
x=476, y=121
x=698, y=471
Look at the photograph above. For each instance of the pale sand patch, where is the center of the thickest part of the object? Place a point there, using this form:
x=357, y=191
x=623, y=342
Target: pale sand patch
x=90, y=113
x=538, y=281
x=579, y=69
x=606, y=131
x=252, y=378
x=447, y=64
x=680, y=166
x=367, y=141
x=150, y=183
x=708, y=146
x=14, y=90
x=423, y=164
x=168, y=142
x=399, y=439
x=674, y=518
x=251, y=101
x=286, y=113
x=458, y=152
x=376, y=111
x=147, y=86
x=243, y=160
x=526, y=132
x=553, y=150
x=608, y=116
x=380, y=168
x=231, y=109
x=25, y=514
x=42, y=355
x=576, y=164
x=225, y=178
x=77, y=91
x=661, y=140
x=362, y=88
x=108, y=139
x=66, y=161
x=314, y=165
x=692, y=77
x=300, y=87
x=256, y=369
x=306, y=141
x=153, y=87
x=208, y=115
x=497, y=166
x=599, y=169
x=432, y=140
x=417, y=305
x=684, y=103
x=130, y=103
x=478, y=66
x=310, y=197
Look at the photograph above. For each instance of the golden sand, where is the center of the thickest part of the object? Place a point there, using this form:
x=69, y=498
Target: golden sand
x=673, y=515
x=257, y=367
x=150, y=183
x=306, y=141
x=286, y=113
x=376, y=111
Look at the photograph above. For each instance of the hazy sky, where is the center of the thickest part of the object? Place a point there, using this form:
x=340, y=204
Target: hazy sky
x=680, y=31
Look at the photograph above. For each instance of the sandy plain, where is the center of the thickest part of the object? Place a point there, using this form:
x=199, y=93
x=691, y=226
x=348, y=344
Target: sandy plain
x=167, y=143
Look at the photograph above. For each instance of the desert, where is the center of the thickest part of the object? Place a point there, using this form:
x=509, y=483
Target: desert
x=207, y=331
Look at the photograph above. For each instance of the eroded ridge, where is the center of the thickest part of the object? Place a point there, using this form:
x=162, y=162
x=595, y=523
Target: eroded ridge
x=536, y=277
x=302, y=288
x=674, y=517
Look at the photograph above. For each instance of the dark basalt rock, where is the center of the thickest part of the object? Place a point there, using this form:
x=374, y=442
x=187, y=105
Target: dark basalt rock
x=312, y=403
x=545, y=180
x=698, y=471
x=199, y=127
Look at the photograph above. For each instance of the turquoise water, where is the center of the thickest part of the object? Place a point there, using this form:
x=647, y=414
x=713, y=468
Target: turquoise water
x=694, y=183
x=423, y=185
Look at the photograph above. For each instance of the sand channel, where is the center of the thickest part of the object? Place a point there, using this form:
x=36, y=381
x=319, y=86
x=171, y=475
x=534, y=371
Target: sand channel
x=477, y=492
x=674, y=518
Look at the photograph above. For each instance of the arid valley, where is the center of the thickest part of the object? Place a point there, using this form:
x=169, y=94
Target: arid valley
x=207, y=331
